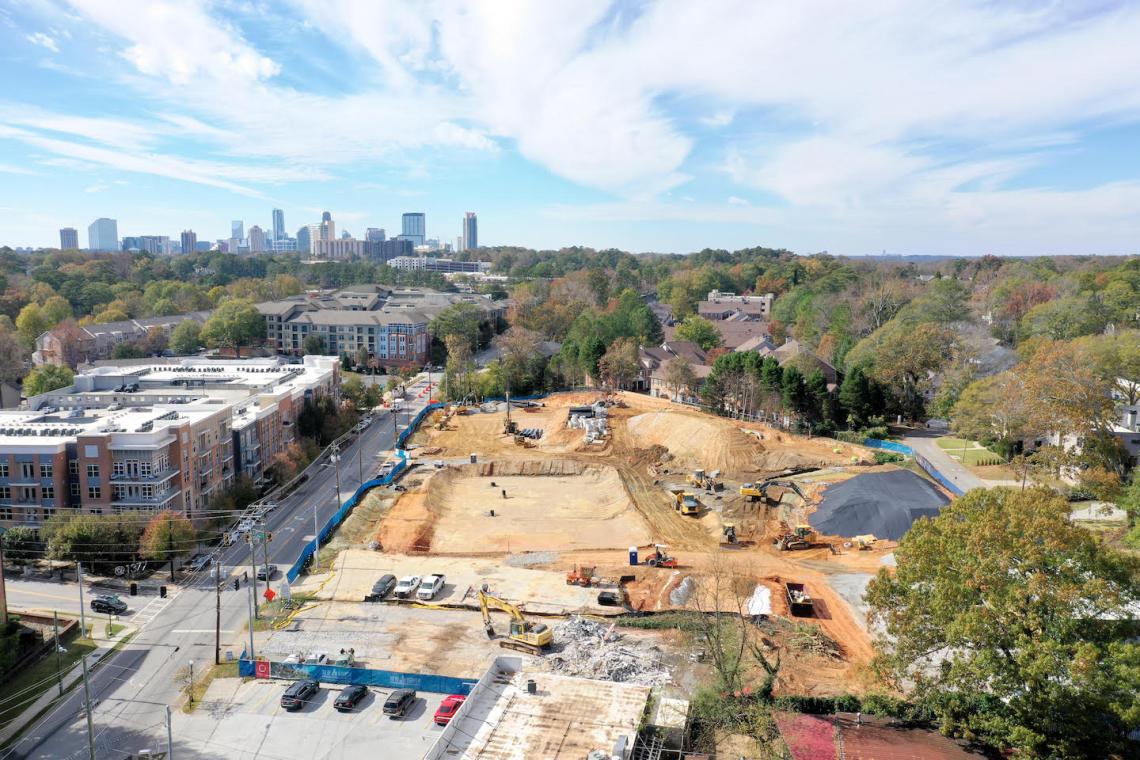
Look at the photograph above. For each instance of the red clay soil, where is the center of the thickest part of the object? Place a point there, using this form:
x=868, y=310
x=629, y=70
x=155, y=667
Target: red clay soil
x=808, y=737
x=877, y=739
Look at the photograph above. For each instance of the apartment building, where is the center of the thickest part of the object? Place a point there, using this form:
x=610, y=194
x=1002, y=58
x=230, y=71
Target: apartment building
x=729, y=306
x=152, y=437
x=392, y=325
x=433, y=264
x=71, y=344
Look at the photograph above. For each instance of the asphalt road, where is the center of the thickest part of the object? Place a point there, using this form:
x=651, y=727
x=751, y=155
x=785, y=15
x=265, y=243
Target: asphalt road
x=132, y=688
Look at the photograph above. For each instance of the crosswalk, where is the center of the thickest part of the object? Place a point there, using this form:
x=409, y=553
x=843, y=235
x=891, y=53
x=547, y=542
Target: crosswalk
x=154, y=608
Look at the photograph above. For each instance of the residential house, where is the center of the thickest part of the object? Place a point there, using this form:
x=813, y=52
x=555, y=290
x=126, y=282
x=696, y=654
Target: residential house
x=70, y=344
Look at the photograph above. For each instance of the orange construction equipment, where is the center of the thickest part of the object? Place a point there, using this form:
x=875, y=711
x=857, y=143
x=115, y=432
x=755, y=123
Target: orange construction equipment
x=582, y=576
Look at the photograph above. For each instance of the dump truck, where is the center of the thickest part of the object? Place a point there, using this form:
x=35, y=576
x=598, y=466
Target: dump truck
x=523, y=635
x=686, y=502
x=803, y=537
x=799, y=601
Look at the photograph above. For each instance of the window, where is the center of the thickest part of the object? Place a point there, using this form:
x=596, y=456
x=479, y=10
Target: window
x=92, y=470
x=27, y=470
x=90, y=451
x=46, y=470
x=145, y=469
x=5, y=492
x=72, y=466
x=118, y=469
x=94, y=492
x=27, y=493
x=49, y=512
x=5, y=513
x=48, y=492
x=3, y=469
x=75, y=490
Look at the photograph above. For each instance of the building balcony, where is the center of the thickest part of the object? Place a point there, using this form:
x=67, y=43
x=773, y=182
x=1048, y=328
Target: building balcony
x=143, y=501
x=158, y=477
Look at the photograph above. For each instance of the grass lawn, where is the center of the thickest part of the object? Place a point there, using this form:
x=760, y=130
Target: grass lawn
x=202, y=681
x=25, y=688
x=950, y=443
x=973, y=455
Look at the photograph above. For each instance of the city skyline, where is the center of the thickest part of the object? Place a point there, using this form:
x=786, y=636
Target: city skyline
x=952, y=130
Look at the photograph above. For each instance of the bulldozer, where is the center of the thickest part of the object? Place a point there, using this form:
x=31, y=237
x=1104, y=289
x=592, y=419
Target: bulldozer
x=803, y=537
x=705, y=480
x=523, y=636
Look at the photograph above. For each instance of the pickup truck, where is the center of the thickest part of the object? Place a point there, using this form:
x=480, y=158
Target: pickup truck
x=407, y=586
x=431, y=586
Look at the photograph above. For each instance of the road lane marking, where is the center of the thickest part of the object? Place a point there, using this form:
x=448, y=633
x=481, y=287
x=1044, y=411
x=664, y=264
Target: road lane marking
x=12, y=592
x=198, y=630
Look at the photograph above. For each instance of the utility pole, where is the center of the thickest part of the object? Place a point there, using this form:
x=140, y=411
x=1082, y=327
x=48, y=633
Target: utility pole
x=190, y=691
x=82, y=615
x=169, y=737
x=253, y=574
x=360, y=462
x=217, y=618
x=58, y=666
x=336, y=465
x=87, y=709
x=170, y=544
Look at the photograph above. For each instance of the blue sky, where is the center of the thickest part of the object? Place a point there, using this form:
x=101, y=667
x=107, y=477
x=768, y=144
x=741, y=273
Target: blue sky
x=938, y=128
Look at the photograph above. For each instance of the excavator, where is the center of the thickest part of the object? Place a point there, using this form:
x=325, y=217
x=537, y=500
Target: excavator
x=524, y=636
x=756, y=491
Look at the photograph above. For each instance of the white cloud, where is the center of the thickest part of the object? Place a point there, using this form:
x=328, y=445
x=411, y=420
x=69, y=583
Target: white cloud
x=43, y=40
x=10, y=169
x=719, y=119
x=96, y=188
x=735, y=200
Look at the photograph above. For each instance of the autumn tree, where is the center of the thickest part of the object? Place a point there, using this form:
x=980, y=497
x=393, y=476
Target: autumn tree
x=457, y=371
x=994, y=408
x=30, y=323
x=901, y=357
x=47, y=377
x=313, y=345
x=13, y=357
x=235, y=323
x=1012, y=624
x=167, y=535
x=700, y=331
x=186, y=337
x=680, y=376
x=462, y=319
x=619, y=365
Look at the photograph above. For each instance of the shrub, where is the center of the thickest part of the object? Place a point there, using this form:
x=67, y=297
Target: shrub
x=886, y=457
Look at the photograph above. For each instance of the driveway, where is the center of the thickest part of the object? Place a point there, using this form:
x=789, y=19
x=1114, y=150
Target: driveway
x=957, y=474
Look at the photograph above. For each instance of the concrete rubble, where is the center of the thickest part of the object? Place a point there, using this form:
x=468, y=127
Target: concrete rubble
x=588, y=649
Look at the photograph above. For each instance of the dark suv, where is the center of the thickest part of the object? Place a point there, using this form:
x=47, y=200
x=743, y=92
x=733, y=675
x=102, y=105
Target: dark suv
x=298, y=694
x=350, y=697
x=108, y=603
x=381, y=588
x=399, y=703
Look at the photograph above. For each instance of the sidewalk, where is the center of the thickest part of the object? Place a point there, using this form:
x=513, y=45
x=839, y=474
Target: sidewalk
x=959, y=474
x=70, y=680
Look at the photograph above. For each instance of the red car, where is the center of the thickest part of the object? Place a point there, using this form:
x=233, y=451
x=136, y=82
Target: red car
x=447, y=709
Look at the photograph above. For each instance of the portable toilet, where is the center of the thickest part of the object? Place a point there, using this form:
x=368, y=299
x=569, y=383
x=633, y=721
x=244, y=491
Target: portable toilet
x=473, y=458
x=633, y=556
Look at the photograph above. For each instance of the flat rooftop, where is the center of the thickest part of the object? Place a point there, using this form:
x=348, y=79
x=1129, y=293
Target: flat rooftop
x=565, y=720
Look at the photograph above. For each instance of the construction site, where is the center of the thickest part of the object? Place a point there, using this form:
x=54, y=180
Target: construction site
x=579, y=511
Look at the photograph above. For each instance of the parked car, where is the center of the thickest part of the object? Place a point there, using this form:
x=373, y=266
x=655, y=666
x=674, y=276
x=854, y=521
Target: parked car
x=266, y=572
x=447, y=709
x=399, y=703
x=299, y=693
x=431, y=586
x=438, y=464
x=381, y=588
x=199, y=562
x=108, y=603
x=350, y=697
x=316, y=658
x=407, y=586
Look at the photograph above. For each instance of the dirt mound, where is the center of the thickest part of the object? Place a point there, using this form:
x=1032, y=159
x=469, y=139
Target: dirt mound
x=703, y=441
x=883, y=503
x=548, y=467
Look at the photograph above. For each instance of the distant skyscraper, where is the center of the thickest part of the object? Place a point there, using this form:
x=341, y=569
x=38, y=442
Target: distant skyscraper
x=459, y=244
x=68, y=239
x=256, y=239
x=156, y=244
x=470, y=231
x=103, y=235
x=374, y=235
x=237, y=229
x=414, y=227
x=278, y=224
x=189, y=241
x=327, y=228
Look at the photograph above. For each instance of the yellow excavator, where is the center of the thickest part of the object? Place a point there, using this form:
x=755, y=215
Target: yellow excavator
x=523, y=636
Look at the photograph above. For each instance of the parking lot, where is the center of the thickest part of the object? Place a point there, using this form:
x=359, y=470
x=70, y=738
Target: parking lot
x=242, y=721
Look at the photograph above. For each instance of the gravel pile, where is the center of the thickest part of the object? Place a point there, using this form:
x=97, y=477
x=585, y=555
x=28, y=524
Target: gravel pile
x=883, y=503
x=583, y=649
x=529, y=559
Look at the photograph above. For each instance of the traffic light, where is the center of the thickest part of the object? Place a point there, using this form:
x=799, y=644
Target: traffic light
x=237, y=584
x=134, y=589
x=162, y=592
x=269, y=536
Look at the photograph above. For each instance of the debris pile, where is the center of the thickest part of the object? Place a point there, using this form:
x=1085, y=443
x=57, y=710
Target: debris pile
x=592, y=650
x=529, y=559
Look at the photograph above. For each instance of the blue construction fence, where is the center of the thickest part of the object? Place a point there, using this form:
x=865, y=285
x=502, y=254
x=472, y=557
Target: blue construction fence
x=923, y=462
x=385, y=679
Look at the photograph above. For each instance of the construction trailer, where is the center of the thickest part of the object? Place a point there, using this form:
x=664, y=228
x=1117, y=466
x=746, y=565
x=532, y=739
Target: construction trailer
x=799, y=600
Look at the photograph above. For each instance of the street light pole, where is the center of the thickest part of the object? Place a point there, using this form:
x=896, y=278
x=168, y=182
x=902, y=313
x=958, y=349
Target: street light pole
x=82, y=615
x=191, y=683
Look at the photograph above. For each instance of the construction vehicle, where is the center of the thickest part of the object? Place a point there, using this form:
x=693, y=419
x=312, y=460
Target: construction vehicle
x=799, y=601
x=756, y=491
x=865, y=541
x=583, y=576
x=660, y=558
x=707, y=481
x=523, y=636
x=686, y=502
x=803, y=537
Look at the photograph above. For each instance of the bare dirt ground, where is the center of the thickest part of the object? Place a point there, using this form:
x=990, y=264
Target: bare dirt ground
x=585, y=504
